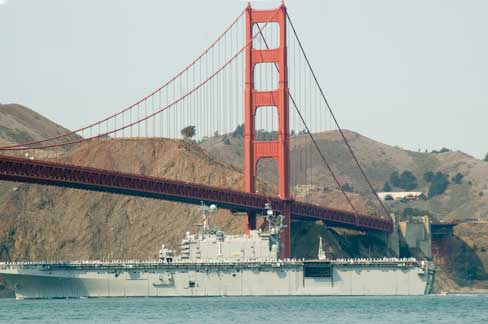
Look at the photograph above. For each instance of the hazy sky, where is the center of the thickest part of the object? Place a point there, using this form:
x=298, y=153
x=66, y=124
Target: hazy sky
x=409, y=73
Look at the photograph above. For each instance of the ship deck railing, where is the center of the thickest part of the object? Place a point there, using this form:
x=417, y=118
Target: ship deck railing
x=129, y=264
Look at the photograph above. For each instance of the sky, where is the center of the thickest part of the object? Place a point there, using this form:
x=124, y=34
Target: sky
x=407, y=73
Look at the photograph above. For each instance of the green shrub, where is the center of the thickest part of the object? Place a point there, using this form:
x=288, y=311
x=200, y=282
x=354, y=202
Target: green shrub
x=428, y=176
x=409, y=181
x=406, y=180
x=414, y=212
x=395, y=179
x=442, y=150
x=438, y=184
x=458, y=178
x=262, y=135
x=189, y=131
x=387, y=187
x=238, y=132
x=347, y=187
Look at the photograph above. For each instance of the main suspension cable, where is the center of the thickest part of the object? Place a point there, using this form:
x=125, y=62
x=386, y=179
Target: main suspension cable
x=324, y=159
x=139, y=101
x=334, y=117
x=143, y=119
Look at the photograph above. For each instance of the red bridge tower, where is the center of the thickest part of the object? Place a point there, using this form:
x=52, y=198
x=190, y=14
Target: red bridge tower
x=278, y=149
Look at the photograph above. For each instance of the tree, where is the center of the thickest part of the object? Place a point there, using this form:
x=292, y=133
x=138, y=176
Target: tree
x=438, y=184
x=428, y=176
x=486, y=158
x=444, y=150
x=347, y=187
x=395, y=179
x=189, y=132
x=262, y=135
x=406, y=180
x=458, y=178
x=226, y=141
x=387, y=187
x=239, y=131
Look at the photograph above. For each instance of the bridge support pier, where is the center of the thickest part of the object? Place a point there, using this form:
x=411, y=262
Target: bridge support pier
x=251, y=222
x=391, y=240
x=285, y=235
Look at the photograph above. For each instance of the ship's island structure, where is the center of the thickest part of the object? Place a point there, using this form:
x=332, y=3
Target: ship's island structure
x=211, y=263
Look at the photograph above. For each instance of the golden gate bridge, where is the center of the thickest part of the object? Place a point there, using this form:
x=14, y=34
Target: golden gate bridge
x=255, y=75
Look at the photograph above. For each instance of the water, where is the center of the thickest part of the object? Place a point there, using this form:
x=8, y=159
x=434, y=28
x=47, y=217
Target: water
x=306, y=310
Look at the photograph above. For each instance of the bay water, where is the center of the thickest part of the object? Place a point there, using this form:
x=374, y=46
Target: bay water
x=235, y=310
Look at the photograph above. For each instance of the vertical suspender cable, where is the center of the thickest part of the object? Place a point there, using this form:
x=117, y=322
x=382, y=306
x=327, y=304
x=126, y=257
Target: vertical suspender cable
x=313, y=139
x=334, y=118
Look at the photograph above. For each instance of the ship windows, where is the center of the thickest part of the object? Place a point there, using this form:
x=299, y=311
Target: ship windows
x=191, y=284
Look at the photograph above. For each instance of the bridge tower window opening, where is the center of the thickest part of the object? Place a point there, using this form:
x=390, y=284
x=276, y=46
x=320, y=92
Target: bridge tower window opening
x=268, y=36
x=266, y=77
x=266, y=124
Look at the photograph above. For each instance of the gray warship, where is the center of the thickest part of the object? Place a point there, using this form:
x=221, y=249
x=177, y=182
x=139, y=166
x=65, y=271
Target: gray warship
x=214, y=264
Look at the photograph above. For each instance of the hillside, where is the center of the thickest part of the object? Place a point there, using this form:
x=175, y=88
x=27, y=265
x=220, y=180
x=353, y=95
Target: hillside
x=53, y=223
x=469, y=199
x=19, y=124
x=57, y=223
x=39, y=222
x=467, y=268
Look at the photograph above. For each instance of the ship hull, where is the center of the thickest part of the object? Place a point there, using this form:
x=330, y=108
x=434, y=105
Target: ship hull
x=237, y=279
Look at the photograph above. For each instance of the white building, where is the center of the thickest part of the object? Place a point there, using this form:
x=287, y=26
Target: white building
x=409, y=195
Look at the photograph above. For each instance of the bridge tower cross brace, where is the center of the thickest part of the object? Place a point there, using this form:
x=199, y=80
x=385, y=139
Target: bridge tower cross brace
x=278, y=149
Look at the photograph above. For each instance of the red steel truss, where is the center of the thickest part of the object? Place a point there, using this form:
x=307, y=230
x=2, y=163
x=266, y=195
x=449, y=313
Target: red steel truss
x=71, y=176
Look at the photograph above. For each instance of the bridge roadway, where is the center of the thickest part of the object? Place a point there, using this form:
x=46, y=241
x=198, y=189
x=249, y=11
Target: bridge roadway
x=72, y=176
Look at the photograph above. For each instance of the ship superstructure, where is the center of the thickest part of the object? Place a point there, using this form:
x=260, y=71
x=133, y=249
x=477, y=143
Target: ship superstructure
x=214, y=264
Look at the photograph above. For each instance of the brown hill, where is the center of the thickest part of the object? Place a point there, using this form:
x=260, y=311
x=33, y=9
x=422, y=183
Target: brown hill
x=468, y=257
x=49, y=223
x=44, y=222
x=19, y=124
x=469, y=199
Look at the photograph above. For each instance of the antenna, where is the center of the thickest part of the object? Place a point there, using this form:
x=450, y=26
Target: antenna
x=206, y=211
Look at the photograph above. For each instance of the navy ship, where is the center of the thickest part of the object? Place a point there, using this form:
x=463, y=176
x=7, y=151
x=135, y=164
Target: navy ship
x=211, y=263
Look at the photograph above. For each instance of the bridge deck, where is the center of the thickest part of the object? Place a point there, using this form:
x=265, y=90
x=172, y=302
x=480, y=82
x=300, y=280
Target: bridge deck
x=71, y=176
